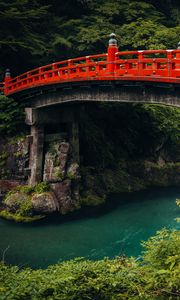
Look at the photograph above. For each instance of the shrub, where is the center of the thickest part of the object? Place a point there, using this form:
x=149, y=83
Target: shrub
x=155, y=277
x=11, y=116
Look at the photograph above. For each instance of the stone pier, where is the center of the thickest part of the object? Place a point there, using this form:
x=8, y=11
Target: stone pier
x=43, y=121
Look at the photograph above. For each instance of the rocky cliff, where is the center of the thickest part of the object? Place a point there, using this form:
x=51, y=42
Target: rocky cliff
x=123, y=148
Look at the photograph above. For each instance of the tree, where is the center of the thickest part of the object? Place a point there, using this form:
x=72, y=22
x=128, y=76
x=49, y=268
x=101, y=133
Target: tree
x=11, y=116
x=22, y=24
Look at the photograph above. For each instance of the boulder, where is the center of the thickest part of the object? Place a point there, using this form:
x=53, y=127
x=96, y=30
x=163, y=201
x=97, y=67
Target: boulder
x=14, y=201
x=63, y=192
x=44, y=202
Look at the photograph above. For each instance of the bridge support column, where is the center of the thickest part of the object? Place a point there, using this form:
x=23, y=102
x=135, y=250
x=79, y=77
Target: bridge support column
x=36, y=154
x=39, y=119
x=36, y=146
x=74, y=140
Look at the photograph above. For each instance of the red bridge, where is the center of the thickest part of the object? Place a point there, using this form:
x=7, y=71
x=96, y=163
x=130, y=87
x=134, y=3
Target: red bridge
x=148, y=76
x=146, y=65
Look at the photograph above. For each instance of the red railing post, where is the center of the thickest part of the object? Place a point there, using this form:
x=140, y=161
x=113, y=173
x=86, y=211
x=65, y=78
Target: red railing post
x=178, y=48
x=176, y=64
x=169, y=63
x=7, y=78
x=140, y=62
x=112, y=49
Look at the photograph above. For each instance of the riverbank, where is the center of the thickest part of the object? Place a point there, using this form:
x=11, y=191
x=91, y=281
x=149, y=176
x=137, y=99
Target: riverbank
x=114, y=228
x=153, y=276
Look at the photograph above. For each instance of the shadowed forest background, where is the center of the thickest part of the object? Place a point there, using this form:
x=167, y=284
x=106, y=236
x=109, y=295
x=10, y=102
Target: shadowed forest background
x=34, y=33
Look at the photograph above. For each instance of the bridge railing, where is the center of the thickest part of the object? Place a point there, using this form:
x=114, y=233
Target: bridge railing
x=142, y=65
x=162, y=63
x=67, y=70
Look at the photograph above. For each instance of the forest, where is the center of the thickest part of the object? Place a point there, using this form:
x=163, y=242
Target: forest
x=34, y=33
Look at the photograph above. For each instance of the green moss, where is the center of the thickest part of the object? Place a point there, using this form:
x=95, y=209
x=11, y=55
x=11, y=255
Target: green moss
x=3, y=158
x=91, y=199
x=18, y=154
x=18, y=217
x=19, y=202
x=17, y=138
x=59, y=175
x=41, y=187
x=71, y=176
x=24, y=189
x=28, y=190
x=25, y=208
x=51, y=149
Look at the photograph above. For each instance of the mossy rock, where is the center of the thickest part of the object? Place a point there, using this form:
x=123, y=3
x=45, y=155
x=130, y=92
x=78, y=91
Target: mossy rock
x=30, y=189
x=17, y=217
x=44, y=203
x=20, y=207
x=91, y=199
x=18, y=202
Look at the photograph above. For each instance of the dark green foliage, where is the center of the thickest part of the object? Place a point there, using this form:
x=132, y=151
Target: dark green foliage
x=165, y=120
x=21, y=35
x=155, y=277
x=11, y=116
x=38, y=32
x=127, y=148
x=110, y=133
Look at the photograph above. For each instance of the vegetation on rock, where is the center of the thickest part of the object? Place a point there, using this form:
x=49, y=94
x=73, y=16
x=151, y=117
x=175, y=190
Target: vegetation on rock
x=18, y=203
x=127, y=148
x=18, y=217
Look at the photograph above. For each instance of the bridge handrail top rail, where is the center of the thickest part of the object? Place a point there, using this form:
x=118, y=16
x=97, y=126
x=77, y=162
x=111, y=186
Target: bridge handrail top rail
x=89, y=60
x=19, y=77
x=88, y=56
x=136, y=52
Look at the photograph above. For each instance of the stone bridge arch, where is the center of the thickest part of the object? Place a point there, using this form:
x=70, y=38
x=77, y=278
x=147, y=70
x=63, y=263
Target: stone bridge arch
x=47, y=107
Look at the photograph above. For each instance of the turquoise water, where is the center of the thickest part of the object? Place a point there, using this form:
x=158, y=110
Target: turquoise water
x=113, y=229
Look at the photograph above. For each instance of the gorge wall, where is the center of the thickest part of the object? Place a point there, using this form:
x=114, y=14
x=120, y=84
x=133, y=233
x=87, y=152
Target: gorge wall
x=123, y=148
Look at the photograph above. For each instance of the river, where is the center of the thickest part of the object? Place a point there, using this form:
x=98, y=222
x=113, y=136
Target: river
x=113, y=229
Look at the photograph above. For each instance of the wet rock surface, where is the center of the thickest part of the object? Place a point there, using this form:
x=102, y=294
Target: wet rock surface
x=56, y=159
x=14, y=201
x=44, y=203
x=65, y=196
